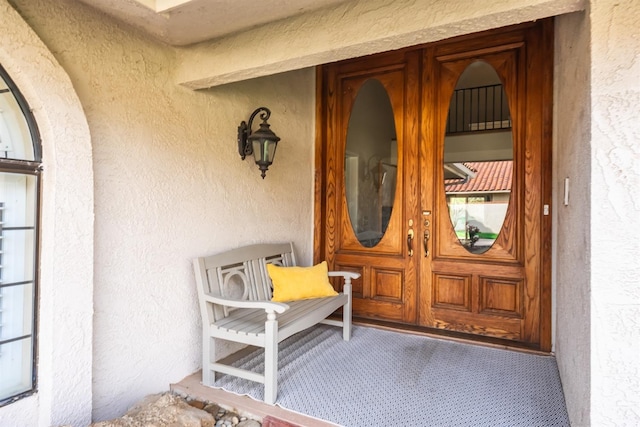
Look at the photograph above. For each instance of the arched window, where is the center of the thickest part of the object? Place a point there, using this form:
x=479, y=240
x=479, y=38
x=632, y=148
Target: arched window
x=20, y=165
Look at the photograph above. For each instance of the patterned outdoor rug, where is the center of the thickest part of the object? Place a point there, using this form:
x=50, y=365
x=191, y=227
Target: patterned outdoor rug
x=390, y=378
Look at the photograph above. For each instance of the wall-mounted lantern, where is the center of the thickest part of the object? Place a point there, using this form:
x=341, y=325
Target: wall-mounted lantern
x=262, y=143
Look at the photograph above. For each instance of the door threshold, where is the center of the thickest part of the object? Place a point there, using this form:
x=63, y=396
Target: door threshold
x=450, y=335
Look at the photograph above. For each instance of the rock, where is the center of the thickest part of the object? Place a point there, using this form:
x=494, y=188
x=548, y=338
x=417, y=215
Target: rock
x=196, y=404
x=230, y=418
x=162, y=410
x=212, y=408
x=171, y=410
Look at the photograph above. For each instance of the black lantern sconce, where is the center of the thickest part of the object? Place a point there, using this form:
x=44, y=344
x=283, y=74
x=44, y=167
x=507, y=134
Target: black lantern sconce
x=262, y=143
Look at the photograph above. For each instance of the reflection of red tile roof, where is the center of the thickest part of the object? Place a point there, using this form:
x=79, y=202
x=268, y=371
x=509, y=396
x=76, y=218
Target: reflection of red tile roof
x=491, y=177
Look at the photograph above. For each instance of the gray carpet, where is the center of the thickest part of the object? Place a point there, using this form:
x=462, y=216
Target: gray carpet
x=390, y=378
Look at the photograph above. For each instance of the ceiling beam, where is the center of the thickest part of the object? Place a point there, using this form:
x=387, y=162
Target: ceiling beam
x=350, y=30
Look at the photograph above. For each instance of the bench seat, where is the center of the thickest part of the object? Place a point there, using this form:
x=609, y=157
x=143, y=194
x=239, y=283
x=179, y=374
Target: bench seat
x=248, y=326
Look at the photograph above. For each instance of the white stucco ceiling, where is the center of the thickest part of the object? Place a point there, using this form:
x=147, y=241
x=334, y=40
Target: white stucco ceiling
x=183, y=22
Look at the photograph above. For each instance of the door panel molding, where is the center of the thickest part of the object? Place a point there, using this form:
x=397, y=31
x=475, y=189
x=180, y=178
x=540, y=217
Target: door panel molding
x=501, y=297
x=349, y=85
x=451, y=291
x=508, y=246
x=387, y=285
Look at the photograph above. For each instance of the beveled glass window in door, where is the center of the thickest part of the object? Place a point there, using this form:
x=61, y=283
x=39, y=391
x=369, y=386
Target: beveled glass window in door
x=371, y=162
x=478, y=157
x=19, y=184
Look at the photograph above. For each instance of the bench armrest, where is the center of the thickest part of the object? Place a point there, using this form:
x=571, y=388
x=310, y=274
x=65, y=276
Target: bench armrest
x=268, y=306
x=344, y=274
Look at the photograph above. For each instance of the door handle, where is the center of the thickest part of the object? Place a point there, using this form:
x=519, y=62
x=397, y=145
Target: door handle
x=427, y=235
x=410, y=241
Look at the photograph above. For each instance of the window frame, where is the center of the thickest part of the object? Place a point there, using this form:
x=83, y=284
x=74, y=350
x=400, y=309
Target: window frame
x=34, y=168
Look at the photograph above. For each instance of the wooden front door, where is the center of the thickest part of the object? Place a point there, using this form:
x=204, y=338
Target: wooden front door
x=434, y=183
x=369, y=235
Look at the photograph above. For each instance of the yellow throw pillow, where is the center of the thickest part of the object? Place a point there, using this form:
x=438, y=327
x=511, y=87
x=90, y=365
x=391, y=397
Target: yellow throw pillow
x=295, y=283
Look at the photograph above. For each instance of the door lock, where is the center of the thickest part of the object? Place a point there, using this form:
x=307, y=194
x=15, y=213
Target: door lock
x=427, y=234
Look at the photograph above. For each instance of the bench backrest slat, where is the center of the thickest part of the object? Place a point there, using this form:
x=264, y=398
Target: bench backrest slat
x=239, y=273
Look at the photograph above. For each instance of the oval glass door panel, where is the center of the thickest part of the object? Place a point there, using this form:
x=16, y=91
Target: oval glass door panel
x=370, y=164
x=478, y=157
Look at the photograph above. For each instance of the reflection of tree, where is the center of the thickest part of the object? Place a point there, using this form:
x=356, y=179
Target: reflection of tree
x=368, y=227
x=368, y=201
x=467, y=232
x=458, y=215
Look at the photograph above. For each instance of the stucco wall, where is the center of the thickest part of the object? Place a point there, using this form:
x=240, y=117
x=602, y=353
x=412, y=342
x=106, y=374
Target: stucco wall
x=66, y=250
x=169, y=186
x=615, y=211
x=572, y=134
x=597, y=146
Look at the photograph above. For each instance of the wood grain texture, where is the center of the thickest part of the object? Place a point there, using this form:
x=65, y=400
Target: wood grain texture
x=319, y=175
x=546, y=68
x=387, y=286
x=504, y=293
x=451, y=291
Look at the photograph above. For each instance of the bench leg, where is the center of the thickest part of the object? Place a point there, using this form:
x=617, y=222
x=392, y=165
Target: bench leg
x=271, y=359
x=346, y=311
x=208, y=353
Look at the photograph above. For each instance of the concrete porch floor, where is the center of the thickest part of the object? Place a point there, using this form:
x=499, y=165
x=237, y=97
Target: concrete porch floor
x=192, y=387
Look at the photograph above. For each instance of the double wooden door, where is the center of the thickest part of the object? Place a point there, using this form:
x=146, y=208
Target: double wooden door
x=434, y=185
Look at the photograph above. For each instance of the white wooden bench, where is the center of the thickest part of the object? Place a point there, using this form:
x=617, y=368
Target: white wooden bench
x=235, y=291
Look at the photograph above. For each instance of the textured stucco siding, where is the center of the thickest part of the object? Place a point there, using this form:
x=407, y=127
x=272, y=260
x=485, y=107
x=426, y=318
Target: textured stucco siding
x=572, y=135
x=65, y=310
x=352, y=29
x=615, y=213
x=169, y=185
x=597, y=147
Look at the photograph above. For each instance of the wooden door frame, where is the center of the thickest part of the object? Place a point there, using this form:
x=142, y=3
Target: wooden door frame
x=544, y=53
